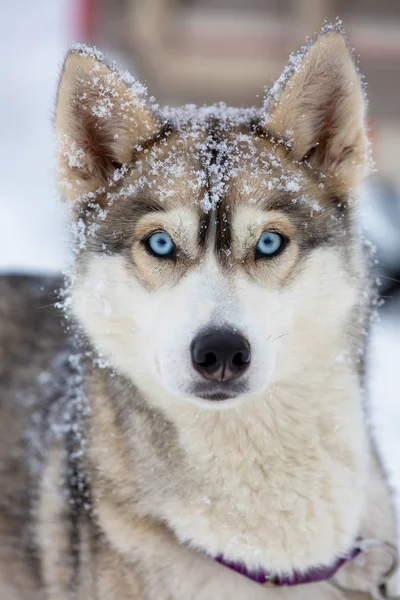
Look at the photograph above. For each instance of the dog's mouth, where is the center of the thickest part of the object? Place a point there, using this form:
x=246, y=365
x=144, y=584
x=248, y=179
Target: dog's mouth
x=218, y=392
x=216, y=396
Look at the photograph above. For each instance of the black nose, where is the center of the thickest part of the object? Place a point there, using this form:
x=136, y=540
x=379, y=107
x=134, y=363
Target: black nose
x=220, y=355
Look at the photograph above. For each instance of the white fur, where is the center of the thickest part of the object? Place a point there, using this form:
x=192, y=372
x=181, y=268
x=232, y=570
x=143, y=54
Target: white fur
x=295, y=444
x=147, y=335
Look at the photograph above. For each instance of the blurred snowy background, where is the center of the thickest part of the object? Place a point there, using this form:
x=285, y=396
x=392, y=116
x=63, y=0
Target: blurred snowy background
x=197, y=51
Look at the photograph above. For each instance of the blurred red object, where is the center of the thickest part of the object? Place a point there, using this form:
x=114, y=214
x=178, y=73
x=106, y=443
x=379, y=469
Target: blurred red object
x=84, y=20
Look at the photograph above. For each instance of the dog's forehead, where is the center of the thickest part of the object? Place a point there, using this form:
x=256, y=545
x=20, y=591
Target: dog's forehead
x=229, y=171
x=202, y=164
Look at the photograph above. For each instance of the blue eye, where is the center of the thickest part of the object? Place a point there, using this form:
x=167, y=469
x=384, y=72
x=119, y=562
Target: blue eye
x=269, y=243
x=160, y=243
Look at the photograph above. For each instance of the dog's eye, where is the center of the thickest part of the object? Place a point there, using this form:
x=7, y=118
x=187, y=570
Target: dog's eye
x=270, y=243
x=160, y=244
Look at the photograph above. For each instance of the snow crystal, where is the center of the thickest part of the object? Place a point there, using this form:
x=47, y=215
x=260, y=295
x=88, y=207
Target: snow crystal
x=85, y=50
x=74, y=155
x=292, y=186
x=102, y=110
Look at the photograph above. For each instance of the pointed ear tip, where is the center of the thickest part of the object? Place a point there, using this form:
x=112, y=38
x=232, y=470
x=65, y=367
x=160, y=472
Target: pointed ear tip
x=79, y=59
x=80, y=55
x=333, y=39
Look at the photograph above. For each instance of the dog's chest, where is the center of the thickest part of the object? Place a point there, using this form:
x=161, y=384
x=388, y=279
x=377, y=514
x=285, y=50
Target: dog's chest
x=272, y=493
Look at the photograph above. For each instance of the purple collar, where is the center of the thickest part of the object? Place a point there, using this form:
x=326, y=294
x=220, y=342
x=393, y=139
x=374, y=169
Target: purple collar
x=311, y=576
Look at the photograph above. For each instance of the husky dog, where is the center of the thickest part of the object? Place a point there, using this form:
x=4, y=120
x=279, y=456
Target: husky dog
x=196, y=429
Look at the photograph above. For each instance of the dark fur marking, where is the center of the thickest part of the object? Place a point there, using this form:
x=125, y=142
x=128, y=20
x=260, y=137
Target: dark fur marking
x=96, y=141
x=223, y=238
x=115, y=233
x=76, y=482
x=219, y=220
x=315, y=227
x=74, y=511
x=145, y=146
x=257, y=129
x=204, y=229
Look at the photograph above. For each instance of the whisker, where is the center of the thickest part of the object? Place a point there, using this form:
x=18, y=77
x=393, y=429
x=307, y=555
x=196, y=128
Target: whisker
x=48, y=305
x=281, y=336
x=289, y=333
x=390, y=278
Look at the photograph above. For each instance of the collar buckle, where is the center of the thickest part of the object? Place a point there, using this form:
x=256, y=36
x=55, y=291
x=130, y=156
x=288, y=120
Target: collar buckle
x=378, y=590
x=390, y=550
x=270, y=583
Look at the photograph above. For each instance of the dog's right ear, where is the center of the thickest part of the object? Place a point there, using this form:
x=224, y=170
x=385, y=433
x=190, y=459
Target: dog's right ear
x=321, y=110
x=101, y=116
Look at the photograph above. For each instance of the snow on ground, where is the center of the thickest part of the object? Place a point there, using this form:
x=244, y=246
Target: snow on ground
x=32, y=237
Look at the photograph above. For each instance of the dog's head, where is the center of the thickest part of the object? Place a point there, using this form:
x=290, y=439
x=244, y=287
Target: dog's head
x=216, y=246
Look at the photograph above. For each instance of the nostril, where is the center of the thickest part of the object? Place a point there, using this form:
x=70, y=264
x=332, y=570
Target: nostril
x=210, y=361
x=240, y=359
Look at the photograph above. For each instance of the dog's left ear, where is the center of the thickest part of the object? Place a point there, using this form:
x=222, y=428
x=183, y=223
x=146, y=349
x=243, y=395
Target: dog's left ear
x=101, y=117
x=321, y=112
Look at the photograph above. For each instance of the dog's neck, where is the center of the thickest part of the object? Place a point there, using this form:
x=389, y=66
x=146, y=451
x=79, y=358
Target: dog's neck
x=277, y=481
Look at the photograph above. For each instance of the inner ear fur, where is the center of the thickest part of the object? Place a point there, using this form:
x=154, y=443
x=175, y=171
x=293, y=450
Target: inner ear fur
x=101, y=116
x=321, y=111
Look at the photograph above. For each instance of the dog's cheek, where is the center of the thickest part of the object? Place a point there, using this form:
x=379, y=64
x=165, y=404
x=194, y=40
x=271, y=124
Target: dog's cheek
x=323, y=296
x=104, y=299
